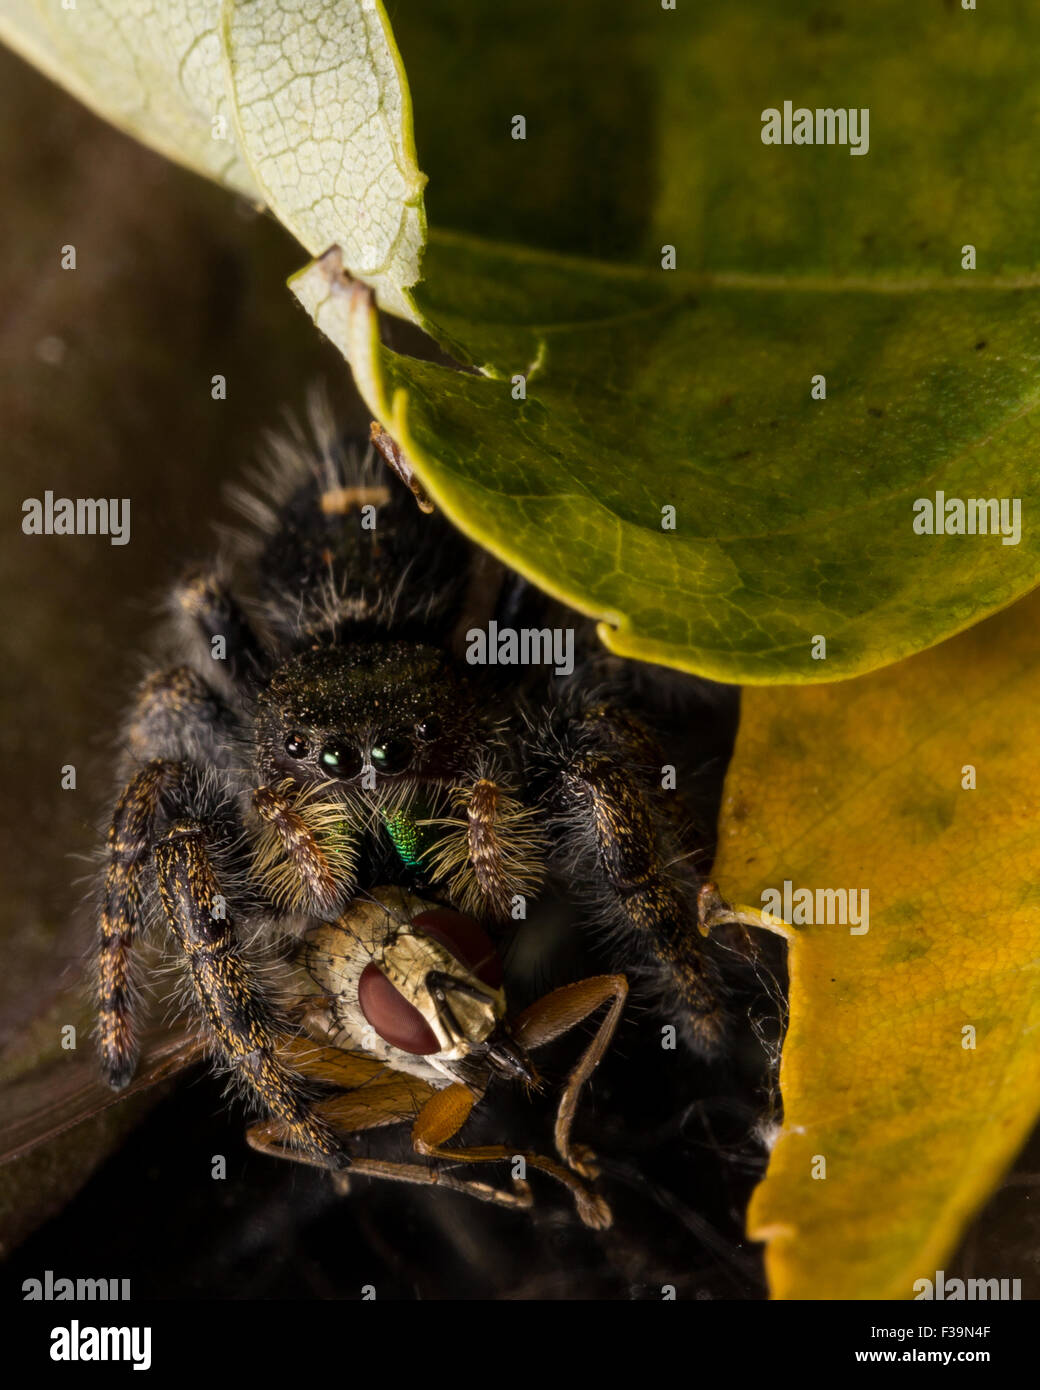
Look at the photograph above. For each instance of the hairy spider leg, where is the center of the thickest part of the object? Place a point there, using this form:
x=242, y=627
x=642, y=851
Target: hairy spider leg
x=178, y=713
x=215, y=613
x=128, y=852
x=176, y=717
x=228, y=992
x=611, y=826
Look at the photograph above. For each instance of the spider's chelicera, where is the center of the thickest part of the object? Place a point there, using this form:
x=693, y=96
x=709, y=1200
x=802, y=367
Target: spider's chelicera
x=317, y=732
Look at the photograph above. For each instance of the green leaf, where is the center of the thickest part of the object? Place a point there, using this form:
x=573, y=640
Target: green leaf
x=322, y=112
x=691, y=388
x=643, y=391
x=649, y=388
x=300, y=106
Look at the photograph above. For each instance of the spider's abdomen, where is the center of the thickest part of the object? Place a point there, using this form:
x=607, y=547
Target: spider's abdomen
x=353, y=547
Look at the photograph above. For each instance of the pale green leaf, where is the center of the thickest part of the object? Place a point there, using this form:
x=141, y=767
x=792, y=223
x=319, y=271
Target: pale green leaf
x=300, y=105
x=322, y=110
x=153, y=70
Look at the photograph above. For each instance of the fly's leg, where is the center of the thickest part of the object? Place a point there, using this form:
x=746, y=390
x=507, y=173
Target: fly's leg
x=557, y=1014
x=443, y=1116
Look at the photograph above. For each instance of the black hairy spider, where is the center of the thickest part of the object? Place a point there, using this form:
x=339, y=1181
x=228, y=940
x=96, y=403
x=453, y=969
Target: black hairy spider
x=317, y=730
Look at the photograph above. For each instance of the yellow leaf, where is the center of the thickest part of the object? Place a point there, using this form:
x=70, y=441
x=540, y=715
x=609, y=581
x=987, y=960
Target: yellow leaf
x=911, y=1066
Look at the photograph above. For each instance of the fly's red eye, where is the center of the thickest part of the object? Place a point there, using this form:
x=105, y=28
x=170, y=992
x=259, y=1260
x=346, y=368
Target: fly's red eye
x=396, y=1020
x=390, y=1014
x=465, y=939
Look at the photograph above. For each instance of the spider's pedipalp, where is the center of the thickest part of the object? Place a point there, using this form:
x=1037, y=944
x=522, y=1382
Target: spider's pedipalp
x=493, y=852
x=306, y=854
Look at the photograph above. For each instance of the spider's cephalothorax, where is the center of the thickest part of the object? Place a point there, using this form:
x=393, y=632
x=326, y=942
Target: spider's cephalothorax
x=322, y=732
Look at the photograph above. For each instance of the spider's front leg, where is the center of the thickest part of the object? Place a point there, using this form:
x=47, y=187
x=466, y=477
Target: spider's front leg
x=214, y=613
x=228, y=992
x=129, y=846
x=161, y=818
x=611, y=827
x=177, y=717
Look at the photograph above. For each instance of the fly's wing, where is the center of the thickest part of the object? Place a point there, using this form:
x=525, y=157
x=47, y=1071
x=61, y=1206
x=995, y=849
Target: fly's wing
x=368, y=1094
x=67, y=1090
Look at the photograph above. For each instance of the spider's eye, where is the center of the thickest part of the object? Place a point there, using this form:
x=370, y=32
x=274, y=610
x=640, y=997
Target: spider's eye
x=392, y=755
x=340, y=760
x=297, y=746
x=430, y=727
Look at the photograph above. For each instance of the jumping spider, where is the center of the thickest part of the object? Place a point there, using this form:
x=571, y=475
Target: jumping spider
x=318, y=732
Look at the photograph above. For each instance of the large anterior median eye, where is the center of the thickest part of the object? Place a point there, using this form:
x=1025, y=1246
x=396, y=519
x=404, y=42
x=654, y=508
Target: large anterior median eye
x=340, y=760
x=430, y=728
x=392, y=755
